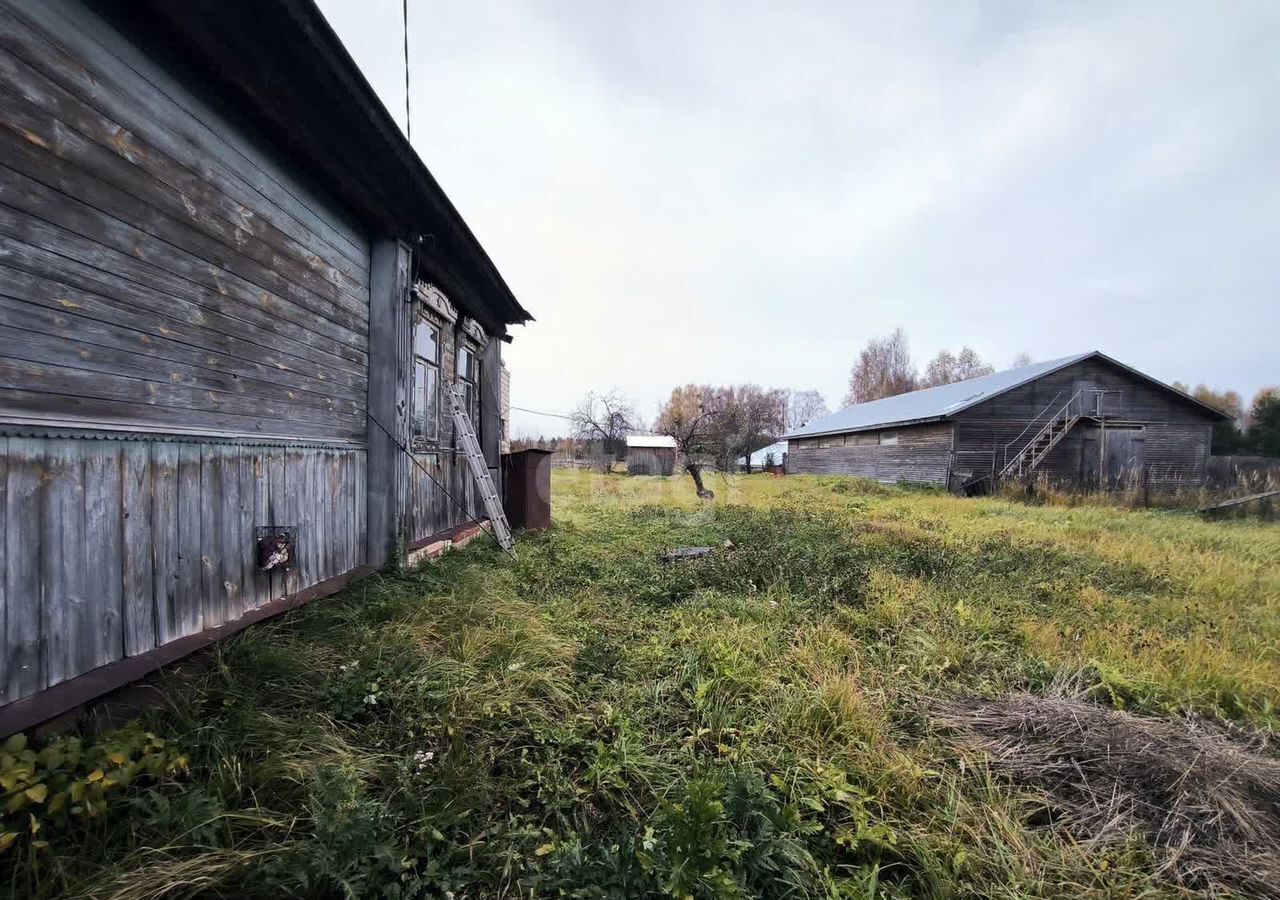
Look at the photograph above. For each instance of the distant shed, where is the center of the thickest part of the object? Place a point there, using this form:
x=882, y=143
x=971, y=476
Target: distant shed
x=651, y=454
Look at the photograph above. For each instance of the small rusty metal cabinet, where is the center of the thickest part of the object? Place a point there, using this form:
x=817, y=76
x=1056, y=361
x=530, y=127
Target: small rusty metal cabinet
x=526, y=495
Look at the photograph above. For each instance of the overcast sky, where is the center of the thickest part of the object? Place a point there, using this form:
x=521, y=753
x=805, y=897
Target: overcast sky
x=739, y=191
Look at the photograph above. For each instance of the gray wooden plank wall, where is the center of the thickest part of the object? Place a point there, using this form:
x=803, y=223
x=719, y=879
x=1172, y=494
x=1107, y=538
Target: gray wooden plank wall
x=429, y=510
x=158, y=269
x=113, y=547
x=650, y=461
x=921, y=456
x=1136, y=400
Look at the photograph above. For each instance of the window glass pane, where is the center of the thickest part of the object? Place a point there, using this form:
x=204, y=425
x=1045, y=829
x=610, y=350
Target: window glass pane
x=888, y=437
x=431, y=403
x=466, y=363
x=426, y=341
x=426, y=402
x=419, y=414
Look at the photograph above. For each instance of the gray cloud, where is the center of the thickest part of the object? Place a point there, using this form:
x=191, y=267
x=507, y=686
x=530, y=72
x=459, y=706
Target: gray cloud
x=747, y=191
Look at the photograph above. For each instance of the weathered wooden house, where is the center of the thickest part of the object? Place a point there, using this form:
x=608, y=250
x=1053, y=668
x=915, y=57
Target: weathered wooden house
x=1085, y=420
x=231, y=296
x=651, y=454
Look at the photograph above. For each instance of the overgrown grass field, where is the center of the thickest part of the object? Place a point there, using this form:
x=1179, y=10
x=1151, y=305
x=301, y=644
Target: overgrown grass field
x=588, y=721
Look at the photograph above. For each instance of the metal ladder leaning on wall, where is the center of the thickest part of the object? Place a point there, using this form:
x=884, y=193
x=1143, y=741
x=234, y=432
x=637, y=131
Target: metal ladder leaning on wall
x=479, y=468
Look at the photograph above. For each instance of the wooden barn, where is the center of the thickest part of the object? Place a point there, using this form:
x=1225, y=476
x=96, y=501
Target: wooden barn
x=651, y=454
x=1083, y=421
x=231, y=300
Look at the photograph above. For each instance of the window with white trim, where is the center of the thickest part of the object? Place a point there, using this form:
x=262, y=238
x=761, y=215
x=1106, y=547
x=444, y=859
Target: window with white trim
x=469, y=378
x=426, y=382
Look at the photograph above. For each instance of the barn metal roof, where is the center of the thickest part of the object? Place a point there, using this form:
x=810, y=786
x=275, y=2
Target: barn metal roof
x=933, y=404
x=930, y=404
x=665, y=441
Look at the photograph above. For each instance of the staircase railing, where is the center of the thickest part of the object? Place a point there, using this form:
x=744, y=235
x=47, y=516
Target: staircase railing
x=1051, y=405
x=1047, y=437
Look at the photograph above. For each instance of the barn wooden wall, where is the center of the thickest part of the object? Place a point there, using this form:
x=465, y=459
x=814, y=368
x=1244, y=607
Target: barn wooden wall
x=112, y=547
x=158, y=270
x=1177, y=433
x=921, y=455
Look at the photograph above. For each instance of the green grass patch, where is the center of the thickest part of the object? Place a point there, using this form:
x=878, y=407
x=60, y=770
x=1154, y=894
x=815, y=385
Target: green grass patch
x=588, y=721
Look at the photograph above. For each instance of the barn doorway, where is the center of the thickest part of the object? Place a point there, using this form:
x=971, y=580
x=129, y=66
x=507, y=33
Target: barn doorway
x=1124, y=454
x=1112, y=457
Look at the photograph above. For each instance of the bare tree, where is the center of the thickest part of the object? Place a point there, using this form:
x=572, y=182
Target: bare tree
x=948, y=368
x=750, y=418
x=1022, y=360
x=883, y=369
x=940, y=370
x=689, y=417
x=803, y=407
x=607, y=418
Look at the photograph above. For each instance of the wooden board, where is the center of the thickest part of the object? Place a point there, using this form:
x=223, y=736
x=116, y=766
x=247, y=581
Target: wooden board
x=137, y=567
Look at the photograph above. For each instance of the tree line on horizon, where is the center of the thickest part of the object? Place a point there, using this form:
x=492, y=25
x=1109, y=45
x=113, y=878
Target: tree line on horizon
x=719, y=424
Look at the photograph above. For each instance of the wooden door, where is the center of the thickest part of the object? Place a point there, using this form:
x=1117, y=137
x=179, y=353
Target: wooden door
x=1088, y=391
x=1090, y=457
x=1124, y=455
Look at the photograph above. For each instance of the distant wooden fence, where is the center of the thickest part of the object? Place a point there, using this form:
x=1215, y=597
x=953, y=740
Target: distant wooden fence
x=1255, y=472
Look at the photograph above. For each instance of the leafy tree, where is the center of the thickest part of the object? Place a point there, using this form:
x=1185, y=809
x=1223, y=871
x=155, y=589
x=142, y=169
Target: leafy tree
x=884, y=369
x=1264, y=422
x=720, y=424
x=689, y=416
x=1228, y=435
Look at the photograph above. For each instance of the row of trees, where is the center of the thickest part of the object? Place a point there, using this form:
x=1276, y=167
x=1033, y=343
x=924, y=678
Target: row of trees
x=1250, y=430
x=885, y=369
x=713, y=424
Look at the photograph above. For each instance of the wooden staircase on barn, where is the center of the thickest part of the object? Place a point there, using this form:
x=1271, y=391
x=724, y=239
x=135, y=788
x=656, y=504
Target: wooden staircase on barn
x=1025, y=460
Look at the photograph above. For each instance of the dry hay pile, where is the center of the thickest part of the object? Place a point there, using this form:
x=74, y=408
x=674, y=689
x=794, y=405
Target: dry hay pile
x=1208, y=798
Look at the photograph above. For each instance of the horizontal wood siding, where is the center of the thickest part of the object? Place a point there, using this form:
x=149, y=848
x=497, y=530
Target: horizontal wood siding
x=921, y=456
x=1134, y=400
x=114, y=547
x=1176, y=432
x=159, y=268
x=1178, y=455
